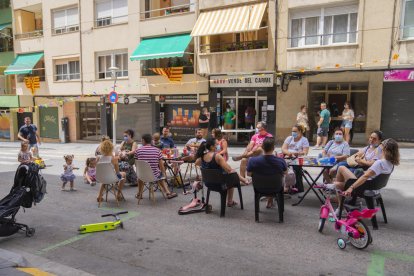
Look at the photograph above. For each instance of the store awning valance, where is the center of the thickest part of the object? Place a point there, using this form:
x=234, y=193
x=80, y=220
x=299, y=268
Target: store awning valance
x=162, y=47
x=23, y=64
x=232, y=20
x=5, y=25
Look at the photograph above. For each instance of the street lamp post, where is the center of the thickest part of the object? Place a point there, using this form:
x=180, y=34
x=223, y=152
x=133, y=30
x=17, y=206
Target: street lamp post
x=113, y=70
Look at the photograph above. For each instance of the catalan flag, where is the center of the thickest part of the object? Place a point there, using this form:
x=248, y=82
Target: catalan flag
x=174, y=74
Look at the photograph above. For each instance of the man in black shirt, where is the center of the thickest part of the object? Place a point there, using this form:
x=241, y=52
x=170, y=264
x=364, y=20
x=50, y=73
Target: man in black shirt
x=28, y=133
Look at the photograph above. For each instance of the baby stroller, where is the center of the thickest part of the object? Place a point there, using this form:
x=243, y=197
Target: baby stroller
x=29, y=187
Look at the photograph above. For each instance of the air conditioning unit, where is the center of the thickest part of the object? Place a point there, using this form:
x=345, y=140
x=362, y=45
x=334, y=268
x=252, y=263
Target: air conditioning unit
x=105, y=21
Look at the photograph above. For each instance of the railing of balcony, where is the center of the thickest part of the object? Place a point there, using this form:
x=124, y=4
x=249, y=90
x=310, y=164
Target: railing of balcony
x=34, y=34
x=65, y=29
x=190, y=7
x=233, y=46
x=110, y=20
x=323, y=39
x=146, y=71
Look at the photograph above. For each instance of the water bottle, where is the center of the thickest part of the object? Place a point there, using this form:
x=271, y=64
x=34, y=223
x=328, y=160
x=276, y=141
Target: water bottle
x=332, y=160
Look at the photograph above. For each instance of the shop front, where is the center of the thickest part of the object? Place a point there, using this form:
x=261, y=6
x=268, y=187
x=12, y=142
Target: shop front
x=180, y=113
x=13, y=110
x=335, y=95
x=248, y=99
x=397, y=105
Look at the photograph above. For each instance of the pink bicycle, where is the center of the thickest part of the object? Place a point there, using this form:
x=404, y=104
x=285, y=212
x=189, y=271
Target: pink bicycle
x=352, y=229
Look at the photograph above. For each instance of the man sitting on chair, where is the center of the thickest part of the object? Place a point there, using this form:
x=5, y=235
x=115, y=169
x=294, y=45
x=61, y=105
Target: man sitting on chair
x=267, y=164
x=153, y=157
x=193, y=144
x=254, y=148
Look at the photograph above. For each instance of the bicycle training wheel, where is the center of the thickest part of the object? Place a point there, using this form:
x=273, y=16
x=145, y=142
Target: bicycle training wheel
x=365, y=236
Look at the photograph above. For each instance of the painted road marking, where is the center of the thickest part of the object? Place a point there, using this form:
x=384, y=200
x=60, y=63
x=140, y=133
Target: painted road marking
x=377, y=265
x=130, y=215
x=34, y=271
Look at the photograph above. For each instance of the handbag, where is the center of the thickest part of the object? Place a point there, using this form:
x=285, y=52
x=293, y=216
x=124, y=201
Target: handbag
x=351, y=160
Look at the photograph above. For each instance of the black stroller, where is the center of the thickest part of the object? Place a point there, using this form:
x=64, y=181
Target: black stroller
x=29, y=187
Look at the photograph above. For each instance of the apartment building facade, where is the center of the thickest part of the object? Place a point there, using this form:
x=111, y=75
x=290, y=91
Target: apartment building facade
x=356, y=51
x=170, y=58
x=77, y=52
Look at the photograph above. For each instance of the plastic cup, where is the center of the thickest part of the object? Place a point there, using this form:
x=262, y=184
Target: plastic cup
x=300, y=161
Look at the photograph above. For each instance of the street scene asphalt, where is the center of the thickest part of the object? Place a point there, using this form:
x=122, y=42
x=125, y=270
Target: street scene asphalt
x=157, y=241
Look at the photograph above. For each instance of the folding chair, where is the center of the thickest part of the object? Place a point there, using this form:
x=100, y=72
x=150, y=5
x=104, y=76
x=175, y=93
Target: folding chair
x=106, y=176
x=145, y=174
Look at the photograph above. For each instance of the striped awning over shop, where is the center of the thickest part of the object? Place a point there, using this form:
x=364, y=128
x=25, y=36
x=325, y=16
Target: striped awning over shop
x=232, y=20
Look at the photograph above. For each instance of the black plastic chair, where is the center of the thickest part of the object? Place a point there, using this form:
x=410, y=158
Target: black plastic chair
x=370, y=192
x=269, y=186
x=217, y=181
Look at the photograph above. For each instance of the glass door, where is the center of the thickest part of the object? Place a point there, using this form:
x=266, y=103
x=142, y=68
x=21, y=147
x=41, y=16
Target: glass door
x=90, y=120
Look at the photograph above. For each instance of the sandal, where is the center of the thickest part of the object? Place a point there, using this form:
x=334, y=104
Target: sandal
x=171, y=195
x=271, y=205
x=231, y=204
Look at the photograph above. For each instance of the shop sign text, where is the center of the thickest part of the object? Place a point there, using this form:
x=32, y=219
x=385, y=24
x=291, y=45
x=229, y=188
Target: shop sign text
x=263, y=80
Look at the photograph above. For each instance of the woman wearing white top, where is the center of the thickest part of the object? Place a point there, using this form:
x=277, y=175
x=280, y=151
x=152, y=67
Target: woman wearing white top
x=385, y=165
x=296, y=145
x=347, y=119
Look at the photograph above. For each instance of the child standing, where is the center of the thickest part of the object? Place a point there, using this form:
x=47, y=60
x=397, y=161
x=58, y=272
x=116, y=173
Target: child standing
x=68, y=175
x=89, y=173
x=25, y=156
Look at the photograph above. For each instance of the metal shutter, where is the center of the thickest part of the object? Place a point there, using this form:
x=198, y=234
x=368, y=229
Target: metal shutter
x=397, y=110
x=136, y=116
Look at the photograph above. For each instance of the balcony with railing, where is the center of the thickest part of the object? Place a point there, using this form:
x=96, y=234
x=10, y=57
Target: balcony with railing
x=237, y=52
x=160, y=8
x=28, y=22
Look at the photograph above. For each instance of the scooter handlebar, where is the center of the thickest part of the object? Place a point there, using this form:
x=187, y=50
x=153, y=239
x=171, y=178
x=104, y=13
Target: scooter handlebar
x=115, y=215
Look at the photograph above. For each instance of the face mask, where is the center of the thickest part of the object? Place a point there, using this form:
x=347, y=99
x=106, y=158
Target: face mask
x=218, y=147
x=126, y=138
x=294, y=134
x=228, y=109
x=257, y=130
x=339, y=138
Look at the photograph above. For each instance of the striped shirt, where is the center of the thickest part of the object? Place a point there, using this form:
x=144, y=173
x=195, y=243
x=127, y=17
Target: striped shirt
x=152, y=155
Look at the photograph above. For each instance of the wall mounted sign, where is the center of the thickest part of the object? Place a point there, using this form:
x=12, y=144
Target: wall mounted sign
x=262, y=80
x=399, y=75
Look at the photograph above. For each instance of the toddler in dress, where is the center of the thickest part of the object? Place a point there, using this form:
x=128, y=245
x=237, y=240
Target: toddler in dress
x=25, y=155
x=68, y=175
x=89, y=174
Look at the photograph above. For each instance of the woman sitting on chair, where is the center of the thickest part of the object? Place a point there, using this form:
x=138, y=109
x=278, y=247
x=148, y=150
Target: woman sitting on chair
x=207, y=158
x=385, y=165
x=106, y=149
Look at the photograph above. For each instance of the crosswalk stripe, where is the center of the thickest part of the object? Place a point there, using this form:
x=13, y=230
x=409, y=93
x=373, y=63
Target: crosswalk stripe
x=9, y=163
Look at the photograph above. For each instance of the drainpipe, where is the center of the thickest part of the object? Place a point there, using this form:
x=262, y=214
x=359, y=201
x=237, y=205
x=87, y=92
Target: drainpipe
x=276, y=35
x=80, y=45
x=392, y=35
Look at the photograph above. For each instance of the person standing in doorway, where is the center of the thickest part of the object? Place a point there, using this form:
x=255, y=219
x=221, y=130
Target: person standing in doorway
x=347, y=119
x=28, y=133
x=229, y=117
x=323, y=127
x=249, y=117
x=203, y=121
x=302, y=118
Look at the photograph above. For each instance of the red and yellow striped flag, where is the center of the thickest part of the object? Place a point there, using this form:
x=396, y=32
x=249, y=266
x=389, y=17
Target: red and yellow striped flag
x=174, y=74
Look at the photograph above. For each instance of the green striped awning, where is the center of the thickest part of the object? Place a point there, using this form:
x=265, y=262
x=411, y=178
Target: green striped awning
x=162, y=47
x=5, y=25
x=23, y=64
